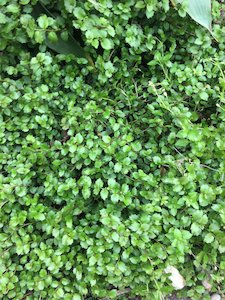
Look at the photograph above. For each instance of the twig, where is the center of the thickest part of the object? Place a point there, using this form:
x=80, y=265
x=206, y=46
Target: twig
x=111, y=54
x=135, y=86
x=28, y=294
x=173, y=3
x=208, y=167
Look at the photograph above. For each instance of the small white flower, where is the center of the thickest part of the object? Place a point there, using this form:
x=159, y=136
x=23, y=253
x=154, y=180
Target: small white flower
x=207, y=285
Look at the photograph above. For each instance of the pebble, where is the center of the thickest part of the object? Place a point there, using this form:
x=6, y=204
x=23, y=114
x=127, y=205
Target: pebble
x=215, y=297
x=177, y=279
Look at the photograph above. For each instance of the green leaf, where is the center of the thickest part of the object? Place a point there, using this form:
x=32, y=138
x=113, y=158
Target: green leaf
x=99, y=183
x=86, y=193
x=13, y=8
x=79, y=138
x=112, y=294
x=21, y=191
x=106, y=139
x=204, y=96
x=79, y=13
x=70, y=5
x=112, y=183
x=107, y=44
x=3, y=18
x=121, y=266
x=72, y=148
x=115, y=198
x=52, y=36
x=200, y=11
x=115, y=236
x=3, y=237
x=43, y=21
x=60, y=292
x=92, y=261
x=76, y=297
x=41, y=285
x=104, y=193
x=209, y=238
x=39, y=36
x=71, y=46
x=117, y=167
x=195, y=229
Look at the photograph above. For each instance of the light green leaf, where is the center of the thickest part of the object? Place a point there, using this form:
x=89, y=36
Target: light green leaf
x=92, y=261
x=115, y=198
x=107, y=44
x=209, y=238
x=39, y=36
x=41, y=285
x=60, y=292
x=104, y=193
x=52, y=36
x=99, y=183
x=111, y=183
x=79, y=138
x=70, y=5
x=121, y=266
x=200, y=11
x=195, y=228
x=203, y=95
x=76, y=297
x=43, y=21
x=72, y=148
x=79, y=13
x=21, y=191
x=115, y=236
x=3, y=18
x=86, y=193
x=117, y=167
x=106, y=139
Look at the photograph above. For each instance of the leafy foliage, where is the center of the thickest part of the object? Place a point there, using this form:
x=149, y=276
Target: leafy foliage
x=109, y=175
x=62, y=42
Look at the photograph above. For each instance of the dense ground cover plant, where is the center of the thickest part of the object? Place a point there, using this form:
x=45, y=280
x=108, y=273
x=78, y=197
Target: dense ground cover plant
x=110, y=173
